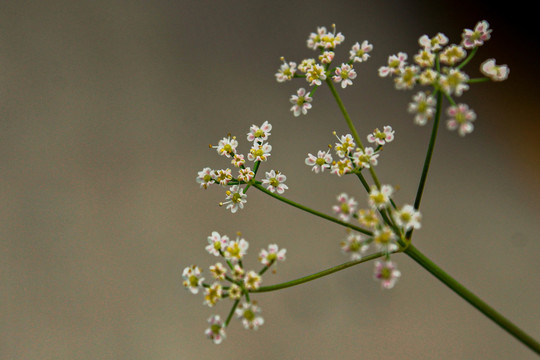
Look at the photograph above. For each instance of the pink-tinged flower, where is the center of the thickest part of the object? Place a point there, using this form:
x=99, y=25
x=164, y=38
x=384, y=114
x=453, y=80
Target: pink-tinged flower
x=217, y=243
x=481, y=33
x=223, y=176
x=342, y=167
x=227, y=146
x=433, y=44
x=286, y=71
x=365, y=158
x=273, y=254
x=360, y=53
x=331, y=40
x=423, y=106
x=205, y=177
x=493, y=71
x=344, y=74
x=345, y=146
x=425, y=58
x=218, y=271
x=245, y=174
x=274, y=182
x=213, y=294
x=216, y=331
x=259, y=134
x=249, y=314
x=407, y=78
x=452, y=54
x=461, y=119
x=301, y=101
x=192, y=279
x=322, y=161
x=259, y=152
x=379, y=199
x=381, y=137
x=238, y=160
x=237, y=271
x=315, y=75
x=236, y=250
x=355, y=246
x=326, y=57
x=252, y=281
x=408, y=218
x=396, y=63
x=235, y=198
x=385, y=239
x=346, y=207
x=306, y=64
x=314, y=40
x=454, y=82
x=387, y=273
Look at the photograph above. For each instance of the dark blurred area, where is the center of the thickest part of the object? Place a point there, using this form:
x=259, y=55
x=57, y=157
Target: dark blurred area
x=106, y=112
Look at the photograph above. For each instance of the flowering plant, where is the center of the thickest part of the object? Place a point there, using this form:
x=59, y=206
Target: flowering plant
x=381, y=224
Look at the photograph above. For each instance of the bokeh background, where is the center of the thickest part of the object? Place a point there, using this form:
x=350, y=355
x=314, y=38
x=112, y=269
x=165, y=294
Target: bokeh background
x=106, y=112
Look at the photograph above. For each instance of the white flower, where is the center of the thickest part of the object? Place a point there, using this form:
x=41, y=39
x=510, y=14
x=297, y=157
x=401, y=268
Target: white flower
x=423, y=106
x=315, y=74
x=275, y=182
x=314, y=40
x=273, y=254
x=481, y=33
x=217, y=243
x=461, y=119
x=227, y=146
x=365, y=158
x=407, y=78
x=454, y=81
x=408, y=218
x=342, y=167
x=493, y=71
x=235, y=292
x=249, y=314
x=205, y=177
x=236, y=250
x=326, y=57
x=354, y=246
x=252, y=281
x=192, y=279
x=359, y=53
x=387, y=273
x=259, y=134
x=213, y=294
x=345, y=146
x=286, y=71
x=322, y=161
x=245, y=174
x=346, y=207
x=301, y=101
x=259, y=152
x=223, y=176
x=384, y=239
x=235, y=198
x=379, y=199
x=425, y=58
x=218, y=271
x=452, y=54
x=381, y=137
x=344, y=74
x=434, y=43
x=396, y=63
x=216, y=331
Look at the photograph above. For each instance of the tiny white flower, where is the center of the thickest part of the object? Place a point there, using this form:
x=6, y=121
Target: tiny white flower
x=379, y=199
x=235, y=198
x=249, y=314
x=381, y=137
x=273, y=254
x=493, y=71
x=301, y=101
x=322, y=161
x=252, y=281
x=192, y=279
x=387, y=273
x=217, y=243
x=216, y=331
x=360, y=53
x=275, y=182
x=355, y=246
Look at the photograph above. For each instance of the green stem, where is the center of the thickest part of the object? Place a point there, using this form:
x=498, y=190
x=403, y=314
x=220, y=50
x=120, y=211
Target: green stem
x=229, y=317
x=429, y=153
x=472, y=299
x=311, y=211
x=318, y=275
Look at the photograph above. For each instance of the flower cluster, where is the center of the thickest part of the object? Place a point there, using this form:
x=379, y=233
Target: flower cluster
x=235, y=195
x=352, y=159
x=240, y=281
x=439, y=65
x=388, y=226
x=317, y=71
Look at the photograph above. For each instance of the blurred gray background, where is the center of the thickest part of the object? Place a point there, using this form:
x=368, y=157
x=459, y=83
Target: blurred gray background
x=106, y=112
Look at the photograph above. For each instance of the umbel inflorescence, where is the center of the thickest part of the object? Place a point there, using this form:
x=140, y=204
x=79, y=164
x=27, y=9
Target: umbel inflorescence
x=381, y=224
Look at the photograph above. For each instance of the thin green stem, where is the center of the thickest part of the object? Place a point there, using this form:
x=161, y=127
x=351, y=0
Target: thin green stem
x=311, y=211
x=471, y=55
x=472, y=299
x=317, y=275
x=229, y=317
x=429, y=152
